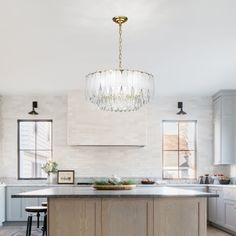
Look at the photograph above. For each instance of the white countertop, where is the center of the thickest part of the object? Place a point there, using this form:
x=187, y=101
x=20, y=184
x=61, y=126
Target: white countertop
x=74, y=191
x=140, y=185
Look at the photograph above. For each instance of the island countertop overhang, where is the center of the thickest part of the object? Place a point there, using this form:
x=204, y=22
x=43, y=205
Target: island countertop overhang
x=90, y=192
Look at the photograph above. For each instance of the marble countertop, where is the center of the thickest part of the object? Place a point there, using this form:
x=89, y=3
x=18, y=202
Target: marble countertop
x=140, y=185
x=76, y=191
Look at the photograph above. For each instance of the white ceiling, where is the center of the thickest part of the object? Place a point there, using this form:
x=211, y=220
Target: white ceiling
x=49, y=45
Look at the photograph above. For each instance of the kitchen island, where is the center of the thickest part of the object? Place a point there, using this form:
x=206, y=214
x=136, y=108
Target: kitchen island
x=152, y=211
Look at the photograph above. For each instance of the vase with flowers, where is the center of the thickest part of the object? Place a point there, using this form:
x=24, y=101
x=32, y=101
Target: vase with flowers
x=50, y=167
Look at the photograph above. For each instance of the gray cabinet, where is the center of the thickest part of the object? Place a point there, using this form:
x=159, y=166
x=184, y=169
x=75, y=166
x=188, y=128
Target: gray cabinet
x=220, y=206
x=216, y=207
x=15, y=207
x=2, y=204
x=212, y=207
x=222, y=210
x=224, y=119
x=230, y=215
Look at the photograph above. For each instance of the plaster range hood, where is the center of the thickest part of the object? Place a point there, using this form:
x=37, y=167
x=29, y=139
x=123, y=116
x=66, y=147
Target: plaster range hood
x=88, y=126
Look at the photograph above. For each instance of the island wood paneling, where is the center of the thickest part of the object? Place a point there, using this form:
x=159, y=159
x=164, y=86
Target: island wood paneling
x=87, y=125
x=74, y=217
x=180, y=217
x=127, y=217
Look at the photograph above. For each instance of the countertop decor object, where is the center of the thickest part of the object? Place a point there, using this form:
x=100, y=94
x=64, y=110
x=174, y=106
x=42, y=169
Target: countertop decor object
x=119, y=90
x=114, y=183
x=50, y=167
x=147, y=181
x=207, y=179
x=224, y=181
x=114, y=187
x=65, y=176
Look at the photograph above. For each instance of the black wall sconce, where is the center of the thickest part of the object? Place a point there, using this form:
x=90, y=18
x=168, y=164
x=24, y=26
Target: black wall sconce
x=181, y=112
x=34, y=105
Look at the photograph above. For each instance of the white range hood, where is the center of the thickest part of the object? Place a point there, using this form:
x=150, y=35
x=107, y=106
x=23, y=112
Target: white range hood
x=87, y=125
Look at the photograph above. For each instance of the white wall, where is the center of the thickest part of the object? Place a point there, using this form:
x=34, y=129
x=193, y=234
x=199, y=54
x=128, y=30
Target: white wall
x=105, y=161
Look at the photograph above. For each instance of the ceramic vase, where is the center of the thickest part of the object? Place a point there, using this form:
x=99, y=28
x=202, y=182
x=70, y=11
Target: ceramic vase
x=52, y=178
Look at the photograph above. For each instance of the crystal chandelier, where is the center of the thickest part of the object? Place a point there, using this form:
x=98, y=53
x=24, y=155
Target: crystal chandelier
x=119, y=90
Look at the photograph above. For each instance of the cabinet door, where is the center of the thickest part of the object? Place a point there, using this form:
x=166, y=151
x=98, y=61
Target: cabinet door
x=2, y=205
x=230, y=215
x=220, y=208
x=136, y=219
x=173, y=217
x=212, y=207
x=217, y=131
x=225, y=130
x=14, y=205
x=75, y=216
x=228, y=140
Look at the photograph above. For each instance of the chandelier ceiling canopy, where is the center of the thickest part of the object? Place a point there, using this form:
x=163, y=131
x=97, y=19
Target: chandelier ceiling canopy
x=119, y=90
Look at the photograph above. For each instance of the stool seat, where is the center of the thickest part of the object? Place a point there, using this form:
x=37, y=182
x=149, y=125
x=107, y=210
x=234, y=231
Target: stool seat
x=44, y=204
x=35, y=209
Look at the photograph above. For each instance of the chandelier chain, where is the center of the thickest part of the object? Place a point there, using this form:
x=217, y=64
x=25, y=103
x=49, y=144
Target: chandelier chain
x=120, y=46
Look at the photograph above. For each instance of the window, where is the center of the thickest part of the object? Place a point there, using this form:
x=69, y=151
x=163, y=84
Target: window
x=179, y=150
x=34, y=147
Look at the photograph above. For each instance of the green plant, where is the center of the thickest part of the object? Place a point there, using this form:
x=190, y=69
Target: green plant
x=50, y=167
x=112, y=182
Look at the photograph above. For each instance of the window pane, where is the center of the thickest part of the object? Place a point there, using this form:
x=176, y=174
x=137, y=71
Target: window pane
x=170, y=159
x=179, y=152
x=27, y=164
x=27, y=135
x=187, y=135
x=187, y=164
x=170, y=174
x=170, y=133
x=42, y=157
x=43, y=135
x=35, y=148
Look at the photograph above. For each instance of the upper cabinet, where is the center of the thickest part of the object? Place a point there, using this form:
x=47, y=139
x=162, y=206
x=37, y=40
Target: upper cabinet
x=87, y=125
x=224, y=118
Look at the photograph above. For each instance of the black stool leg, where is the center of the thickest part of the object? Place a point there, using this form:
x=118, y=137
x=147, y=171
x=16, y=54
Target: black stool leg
x=45, y=225
x=38, y=215
x=29, y=225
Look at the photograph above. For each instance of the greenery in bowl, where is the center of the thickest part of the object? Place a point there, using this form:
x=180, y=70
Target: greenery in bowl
x=114, y=182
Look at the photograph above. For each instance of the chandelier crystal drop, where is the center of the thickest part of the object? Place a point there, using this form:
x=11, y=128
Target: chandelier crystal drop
x=119, y=90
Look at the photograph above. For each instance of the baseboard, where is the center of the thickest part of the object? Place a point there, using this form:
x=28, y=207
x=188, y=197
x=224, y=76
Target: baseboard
x=222, y=228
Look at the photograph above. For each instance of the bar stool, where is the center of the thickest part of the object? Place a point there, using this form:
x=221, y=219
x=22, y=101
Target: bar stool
x=45, y=204
x=35, y=210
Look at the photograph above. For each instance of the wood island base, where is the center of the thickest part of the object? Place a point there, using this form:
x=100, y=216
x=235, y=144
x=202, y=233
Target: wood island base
x=127, y=216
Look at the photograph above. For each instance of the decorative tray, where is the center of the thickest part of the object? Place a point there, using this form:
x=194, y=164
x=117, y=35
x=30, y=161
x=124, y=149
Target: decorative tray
x=114, y=187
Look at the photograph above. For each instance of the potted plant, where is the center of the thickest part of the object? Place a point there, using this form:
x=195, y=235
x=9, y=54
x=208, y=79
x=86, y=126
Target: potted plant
x=50, y=167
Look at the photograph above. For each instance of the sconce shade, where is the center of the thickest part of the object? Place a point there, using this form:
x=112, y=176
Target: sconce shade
x=34, y=105
x=181, y=112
